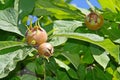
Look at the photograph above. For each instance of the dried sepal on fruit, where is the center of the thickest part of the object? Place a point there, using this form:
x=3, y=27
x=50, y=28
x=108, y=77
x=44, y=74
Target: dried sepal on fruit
x=36, y=35
x=94, y=21
x=46, y=50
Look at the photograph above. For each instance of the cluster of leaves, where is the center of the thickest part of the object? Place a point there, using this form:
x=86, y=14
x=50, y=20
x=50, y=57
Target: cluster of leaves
x=80, y=54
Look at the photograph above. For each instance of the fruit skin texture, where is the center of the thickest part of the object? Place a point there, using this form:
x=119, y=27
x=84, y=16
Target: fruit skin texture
x=46, y=50
x=36, y=36
x=94, y=21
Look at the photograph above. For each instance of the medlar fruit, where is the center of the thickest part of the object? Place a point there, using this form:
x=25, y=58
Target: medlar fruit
x=46, y=50
x=94, y=21
x=36, y=36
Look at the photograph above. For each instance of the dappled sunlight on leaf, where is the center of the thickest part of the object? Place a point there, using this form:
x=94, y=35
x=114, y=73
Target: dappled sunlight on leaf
x=11, y=56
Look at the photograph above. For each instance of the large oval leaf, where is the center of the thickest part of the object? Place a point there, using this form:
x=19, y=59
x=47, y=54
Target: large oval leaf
x=9, y=56
x=57, y=8
x=106, y=44
x=63, y=26
x=74, y=59
x=8, y=44
x=100, y=56
x=8, y=21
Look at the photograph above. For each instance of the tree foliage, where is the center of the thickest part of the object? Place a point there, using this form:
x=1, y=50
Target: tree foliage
x=79, y=53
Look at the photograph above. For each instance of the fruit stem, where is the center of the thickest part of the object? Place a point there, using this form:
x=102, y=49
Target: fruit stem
x=30, y=23
x=27, y=27
x=50, y=32
x=91, y=6
x=40, y=18
x=38, y=23
x=44, y=69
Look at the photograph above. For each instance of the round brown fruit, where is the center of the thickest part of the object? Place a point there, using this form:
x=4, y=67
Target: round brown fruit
x=36, y=36
x=94, y=21
x=46, y=50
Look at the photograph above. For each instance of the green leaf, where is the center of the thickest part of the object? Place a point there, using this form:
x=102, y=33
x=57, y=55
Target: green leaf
x=117, y=41
x=102, y=59
x=31, y=66
x=110, y=29
x=8, y=21
x=59, y=9
x=61, y=75
x=106, y=44
x=7, y=36
x=110, y=4
x=63, y=26
x=74, y=46
x=100, y=56
x=2, y=1
x=95, y=73
x=8, y=44
x=98, y=73
x=81, y=72
x=51, y=66
x=79, y=47
x=87, y=56
x=74, y=59
x=117, y=2
x=116, y=75
x=84, y=11
x=9, y=56
x=50, y=78
x=106, y=5
x=90, y=74
x=6, y=4
x=72, y=73
x=16, y=4
x=109, y=70
x=39, y=69
x=28, y=77
x=118, y=69
x=25, y=7
x=62, y=65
